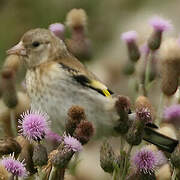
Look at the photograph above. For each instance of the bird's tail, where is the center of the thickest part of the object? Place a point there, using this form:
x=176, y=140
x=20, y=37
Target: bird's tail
x=163, y=142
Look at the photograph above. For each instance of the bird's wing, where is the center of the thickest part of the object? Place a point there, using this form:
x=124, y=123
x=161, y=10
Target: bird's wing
x=83, y=76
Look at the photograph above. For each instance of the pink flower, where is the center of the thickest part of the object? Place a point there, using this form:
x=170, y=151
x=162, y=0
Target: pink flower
x=160, y=24
x=129, y=36
x=72, y=143
x=13, y=166
x=147, y=161
x=58, y=29
x=53, y=136
x=34, y=125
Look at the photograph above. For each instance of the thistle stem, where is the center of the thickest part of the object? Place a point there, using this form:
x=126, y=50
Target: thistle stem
x=13, y=122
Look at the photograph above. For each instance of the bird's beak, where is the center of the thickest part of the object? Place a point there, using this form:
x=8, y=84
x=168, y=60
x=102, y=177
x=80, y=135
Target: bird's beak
x=18, y=49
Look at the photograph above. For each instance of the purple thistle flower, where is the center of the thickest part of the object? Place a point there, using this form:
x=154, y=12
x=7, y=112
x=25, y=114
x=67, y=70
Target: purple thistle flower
x=147, y=160
x=72, y=143
x=160, y=24
x=34, y=125
x=129, y=36
x=13, y=166
x=58, y=29
x=145, y=49
x=144, y=115
x=53, y=136
x=172, y=114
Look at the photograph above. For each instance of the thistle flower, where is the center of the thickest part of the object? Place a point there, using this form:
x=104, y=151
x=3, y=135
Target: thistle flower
x=144, y=115
x=34, y=125
x=53, y=136
x=146, y=160
x=58, y=29
x=159, y=25
x=130, y=38
x=72, y=143
x=13, y=166
x=172, y=114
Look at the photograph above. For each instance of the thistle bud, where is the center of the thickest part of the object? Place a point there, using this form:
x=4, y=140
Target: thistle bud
x=75, y=115
x=159, y=25
x=170, y=64
x=107, y=157
x=40, y=156
x=122, y=106
x=61, y=157
x=129, y=68
x=58, y=30
x=9, y=146
x=133, y=50
x=8, y=87
x=79, y=45
x=84, y=131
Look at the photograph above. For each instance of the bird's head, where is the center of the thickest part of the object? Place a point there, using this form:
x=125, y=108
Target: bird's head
x=38, y=46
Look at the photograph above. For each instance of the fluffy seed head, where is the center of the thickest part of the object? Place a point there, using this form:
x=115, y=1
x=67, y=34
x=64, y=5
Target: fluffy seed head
x=160, y=24
x=72, y=143
x=129, y=37
x=34, y=125
x=13, y=166
x=76, y=18
x=145, y=160
x=58, y=29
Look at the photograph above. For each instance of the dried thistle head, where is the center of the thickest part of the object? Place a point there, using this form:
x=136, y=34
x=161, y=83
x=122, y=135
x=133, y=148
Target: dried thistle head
x=9, y=146
x=84, y=131
x=169, y=65
x=8, y=88
x=75, y=115
x=76, y=18
x=12, y=62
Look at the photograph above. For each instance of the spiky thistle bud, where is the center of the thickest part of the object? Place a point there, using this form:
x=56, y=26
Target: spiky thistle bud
x=8, y=88
x=170, y=64
x=122, y=106
x=159, y=25
x=40, y=156
x=75, y=115
x=9, y=146
x=130, y=38
x=84, y=131
x=107, y=157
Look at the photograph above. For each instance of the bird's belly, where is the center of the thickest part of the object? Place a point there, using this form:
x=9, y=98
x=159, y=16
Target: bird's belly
x=58, y=97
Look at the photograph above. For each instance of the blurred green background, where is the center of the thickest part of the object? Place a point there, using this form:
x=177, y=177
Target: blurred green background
x=17, y=16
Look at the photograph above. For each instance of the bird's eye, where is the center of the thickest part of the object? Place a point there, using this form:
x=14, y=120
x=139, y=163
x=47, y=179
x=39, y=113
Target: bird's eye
x=35, y=44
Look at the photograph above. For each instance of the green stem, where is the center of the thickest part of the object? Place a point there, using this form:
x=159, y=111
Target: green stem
x=13, y=122
x=125, y=169
x=173, y=177
x=52, y=175
x=159, y=112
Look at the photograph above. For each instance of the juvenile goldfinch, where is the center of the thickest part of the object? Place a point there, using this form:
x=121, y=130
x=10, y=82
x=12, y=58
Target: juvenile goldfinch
x=56, y=81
